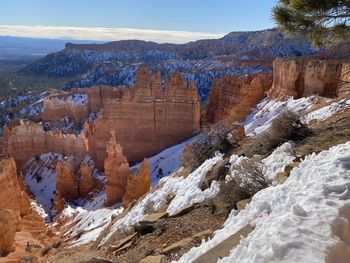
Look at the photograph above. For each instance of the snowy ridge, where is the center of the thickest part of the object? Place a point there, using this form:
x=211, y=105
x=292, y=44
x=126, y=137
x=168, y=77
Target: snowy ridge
x=292, y=220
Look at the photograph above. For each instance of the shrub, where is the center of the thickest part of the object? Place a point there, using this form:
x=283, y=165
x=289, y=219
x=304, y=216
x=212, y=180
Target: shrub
x=214, y=139
x=46, y=250
x=246, y=180
x=285, y=127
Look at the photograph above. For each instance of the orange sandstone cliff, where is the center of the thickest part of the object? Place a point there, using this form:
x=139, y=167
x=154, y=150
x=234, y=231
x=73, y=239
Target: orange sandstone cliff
x=297, y=78
x=146, y=119
x=234, y=97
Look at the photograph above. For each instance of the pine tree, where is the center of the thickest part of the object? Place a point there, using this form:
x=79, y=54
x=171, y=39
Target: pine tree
x=325, y=21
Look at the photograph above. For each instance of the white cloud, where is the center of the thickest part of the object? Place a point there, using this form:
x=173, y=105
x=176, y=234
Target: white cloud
x=107, y=34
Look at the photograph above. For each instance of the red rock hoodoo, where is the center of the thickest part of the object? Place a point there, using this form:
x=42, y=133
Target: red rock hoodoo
x=137, y=185
x=116, y=170
x=67, y=183
x=234, y=97
x=301, y=78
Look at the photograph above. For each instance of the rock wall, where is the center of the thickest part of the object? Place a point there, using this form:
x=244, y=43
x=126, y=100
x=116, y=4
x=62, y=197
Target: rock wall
x=234, y=97
x=146, y=119
x=98, y=95
x=57, y=107
x=29, y=140
x=301, y=78
x=116, y=170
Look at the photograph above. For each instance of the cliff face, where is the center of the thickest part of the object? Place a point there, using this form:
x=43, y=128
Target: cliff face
x=57, y=108
x=29, y=140
x=11, y=195
x=14, y=203
x=301, y=78
x=146, y=119
x=234, y=97
x=116, y=170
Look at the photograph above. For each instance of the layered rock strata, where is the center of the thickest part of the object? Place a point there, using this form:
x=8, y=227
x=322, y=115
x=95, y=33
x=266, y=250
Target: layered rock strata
x=116, y=170
x=298, y=78
x=234, y=97
x=74, y=106
x=138, y=185
x=30, y=140
x=146, y=119
x=67, y=183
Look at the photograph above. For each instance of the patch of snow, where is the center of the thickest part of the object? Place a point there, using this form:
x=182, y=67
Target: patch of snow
x=292, y=220
x=86, y=226
x=260, y=119
x=78, y=98
x=166, y=162
x=185, y=192
x=327, y=111
x=277, y=161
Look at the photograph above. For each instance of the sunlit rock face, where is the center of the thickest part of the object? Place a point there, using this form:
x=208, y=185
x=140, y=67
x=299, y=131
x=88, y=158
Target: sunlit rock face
x=234, y=97
x=116, y=170
x=146, y=119
x=302, y=77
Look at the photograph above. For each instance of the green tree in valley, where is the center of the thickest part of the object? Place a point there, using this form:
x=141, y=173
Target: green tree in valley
x=325, y=21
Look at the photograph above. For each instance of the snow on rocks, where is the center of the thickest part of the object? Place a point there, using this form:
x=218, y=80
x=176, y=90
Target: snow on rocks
x=292, y=220
x=87, y=225
x=185, y=192
x=327, y=111
x=260, y=119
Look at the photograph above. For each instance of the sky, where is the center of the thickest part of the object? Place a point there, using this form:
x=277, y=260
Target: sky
x=154, y=20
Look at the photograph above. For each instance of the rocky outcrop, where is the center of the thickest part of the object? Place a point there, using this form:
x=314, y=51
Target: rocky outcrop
x=7, y=232
x=59, y=203
x=67, y=183
x=234, y=97
x=87, y=182
x=116, y=170
x=146, y=119
x=74, y=106
x=10, y=192
x=137, y=185
x=98, y=95
x=29, y=140
x=298, y=78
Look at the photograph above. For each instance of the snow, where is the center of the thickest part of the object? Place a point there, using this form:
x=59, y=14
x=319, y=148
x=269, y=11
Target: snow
x=292, y=220
x=277, y=161
x=183, y=191
x=40, y=177
x=260, y=119
x=78, y=98
x=327, y=111
x=167, y=160
x=87, y=225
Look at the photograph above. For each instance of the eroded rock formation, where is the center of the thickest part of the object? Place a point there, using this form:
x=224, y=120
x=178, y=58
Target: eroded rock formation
x=74, y=106
x=116, y=170
x=146, y=119
x=137, y=185
x=87, y=181
x=7, y=232
x=29, y=140
x=234, y=97
x=301, y=78
x=67, y=183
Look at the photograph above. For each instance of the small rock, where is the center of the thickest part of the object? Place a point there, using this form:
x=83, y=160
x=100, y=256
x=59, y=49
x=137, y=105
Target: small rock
x=153, y=259
x=242, y=204
x=121, y=243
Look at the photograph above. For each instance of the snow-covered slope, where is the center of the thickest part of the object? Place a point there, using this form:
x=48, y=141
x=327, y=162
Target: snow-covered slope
x=292, y=220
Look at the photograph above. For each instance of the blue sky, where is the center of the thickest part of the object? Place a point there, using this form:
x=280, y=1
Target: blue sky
x=213, y=17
